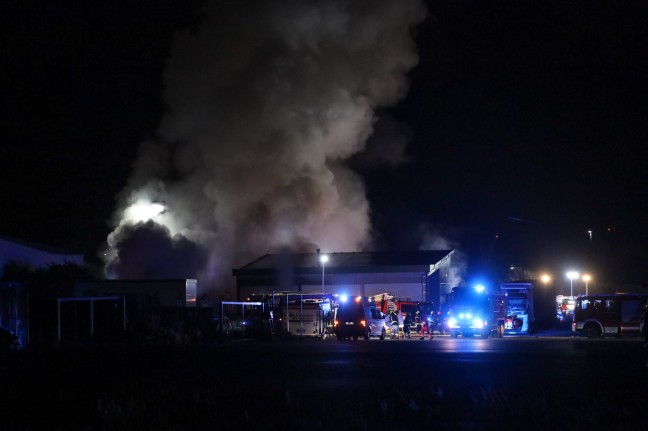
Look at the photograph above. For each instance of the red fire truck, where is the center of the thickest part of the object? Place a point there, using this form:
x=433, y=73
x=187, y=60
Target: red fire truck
x=386, y=303
x=609, y=314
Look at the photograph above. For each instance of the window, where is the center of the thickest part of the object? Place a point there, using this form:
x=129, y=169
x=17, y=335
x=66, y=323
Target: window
x=610, y=305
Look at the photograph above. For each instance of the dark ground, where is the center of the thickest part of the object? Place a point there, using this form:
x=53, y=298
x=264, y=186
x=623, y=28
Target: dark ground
x=531, y=383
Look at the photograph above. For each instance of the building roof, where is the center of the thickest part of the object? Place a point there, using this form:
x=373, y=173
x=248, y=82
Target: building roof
x=12, y=250
x=347, y=262
x=34, y=246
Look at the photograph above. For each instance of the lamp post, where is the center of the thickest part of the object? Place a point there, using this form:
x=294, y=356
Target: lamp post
x=546, y=279
x=323, y=259
x=572, y=275
x=586, y=279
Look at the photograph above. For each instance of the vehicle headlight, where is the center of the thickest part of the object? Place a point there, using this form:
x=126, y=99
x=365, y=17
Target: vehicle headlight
x=452, y=322
x=477, y=323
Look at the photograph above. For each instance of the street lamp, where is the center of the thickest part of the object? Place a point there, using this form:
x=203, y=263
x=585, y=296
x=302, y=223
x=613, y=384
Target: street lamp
x=323, y=259
x=572, y=275
x=546, y=279
x=586, y=279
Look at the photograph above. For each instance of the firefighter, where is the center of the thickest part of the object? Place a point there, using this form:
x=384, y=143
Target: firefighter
x=407, y=322
x=501, y=318
x=426, y=326
x=393, y=324
x=430, y=324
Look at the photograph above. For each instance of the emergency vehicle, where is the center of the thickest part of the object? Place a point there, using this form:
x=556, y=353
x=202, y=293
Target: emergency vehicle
x=565, y=307
x=305, y=314
x=609, y=314
x=386, y=303
x=358, y=317
x=520, y=315
x=472, y=310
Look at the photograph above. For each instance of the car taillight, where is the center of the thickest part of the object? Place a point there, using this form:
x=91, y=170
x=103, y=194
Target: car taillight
x=363, y=323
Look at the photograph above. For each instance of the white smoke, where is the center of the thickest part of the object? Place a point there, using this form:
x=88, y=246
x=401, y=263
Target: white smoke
x=434, y=240
x=265, y=103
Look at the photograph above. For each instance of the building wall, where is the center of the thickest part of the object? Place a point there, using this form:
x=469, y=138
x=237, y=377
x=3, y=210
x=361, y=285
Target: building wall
x=440, y=283
x=414, y=281
x=349, y=284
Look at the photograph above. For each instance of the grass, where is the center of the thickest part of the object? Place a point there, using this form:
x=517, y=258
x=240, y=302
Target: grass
x=218, y=388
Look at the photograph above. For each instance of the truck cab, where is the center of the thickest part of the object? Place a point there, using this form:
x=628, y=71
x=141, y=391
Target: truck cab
x=472, y=311
x=519, y=308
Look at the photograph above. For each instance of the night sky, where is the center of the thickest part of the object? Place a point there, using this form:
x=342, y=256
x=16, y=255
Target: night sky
x=526, y=126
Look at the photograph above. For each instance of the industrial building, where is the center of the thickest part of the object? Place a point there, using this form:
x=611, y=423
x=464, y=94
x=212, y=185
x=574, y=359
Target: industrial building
x=418, y=275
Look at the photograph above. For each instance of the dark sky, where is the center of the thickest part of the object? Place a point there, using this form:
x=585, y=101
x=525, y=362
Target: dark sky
x=528, y=121
x=527, y=125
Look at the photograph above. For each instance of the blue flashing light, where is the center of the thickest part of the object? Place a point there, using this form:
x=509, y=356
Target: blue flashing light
x=479, y=288
x=344, y=298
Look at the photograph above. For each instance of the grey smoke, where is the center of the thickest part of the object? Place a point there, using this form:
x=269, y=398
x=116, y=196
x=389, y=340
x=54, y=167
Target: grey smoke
x=147, y=250
x=432, y=239
x=266, y=102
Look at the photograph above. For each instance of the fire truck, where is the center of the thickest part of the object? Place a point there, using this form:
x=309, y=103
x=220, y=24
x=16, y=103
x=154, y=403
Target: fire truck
x=615, y=314
x=386, y=303
x=474, y=311
x=520, y=315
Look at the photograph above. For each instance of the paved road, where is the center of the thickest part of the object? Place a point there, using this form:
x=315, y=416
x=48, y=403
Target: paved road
x=457, y=384
x=473, y=383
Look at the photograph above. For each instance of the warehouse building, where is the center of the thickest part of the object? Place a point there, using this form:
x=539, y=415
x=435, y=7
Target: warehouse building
x=419, y=276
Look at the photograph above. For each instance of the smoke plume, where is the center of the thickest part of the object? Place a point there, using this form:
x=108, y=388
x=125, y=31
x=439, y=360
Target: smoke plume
x=266, y=101
x=433, y=240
